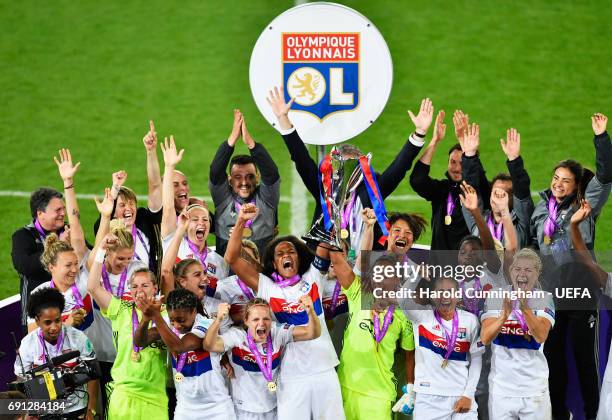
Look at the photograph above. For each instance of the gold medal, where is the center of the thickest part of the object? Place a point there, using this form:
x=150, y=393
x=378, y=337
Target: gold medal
x=448, y=220
x=135, y=356
x=247, y=232
x=179, y=377
x=546, y=240
x=444, y=363
x=344, y=233
x=272, y=386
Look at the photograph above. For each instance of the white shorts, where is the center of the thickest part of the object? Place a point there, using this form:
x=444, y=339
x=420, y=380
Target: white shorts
x=523, y=408
x=220, y=411
x=316, y=396
x=438, y=407
x=248, y=415
x=605, y=399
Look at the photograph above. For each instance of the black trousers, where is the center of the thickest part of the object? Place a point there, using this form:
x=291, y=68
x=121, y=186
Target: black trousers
x=582, y=328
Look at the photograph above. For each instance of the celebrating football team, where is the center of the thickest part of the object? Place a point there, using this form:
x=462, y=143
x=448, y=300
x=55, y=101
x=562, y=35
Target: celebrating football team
x=202, y=310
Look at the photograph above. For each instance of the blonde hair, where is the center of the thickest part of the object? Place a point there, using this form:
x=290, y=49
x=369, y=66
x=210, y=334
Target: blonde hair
x=528, y=254
x=53, y=247
x=127, y=194
x=255, y=302
x=124, y=237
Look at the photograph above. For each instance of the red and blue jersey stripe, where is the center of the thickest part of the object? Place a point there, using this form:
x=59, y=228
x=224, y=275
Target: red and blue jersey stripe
x=341, y=306
x=437, y=344
x=293, y=312
x=247, y=361
x=512, y=336
x=197, y=363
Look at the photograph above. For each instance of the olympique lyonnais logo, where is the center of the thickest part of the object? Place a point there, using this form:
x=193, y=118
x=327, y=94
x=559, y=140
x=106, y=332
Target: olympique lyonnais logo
x=321, y=71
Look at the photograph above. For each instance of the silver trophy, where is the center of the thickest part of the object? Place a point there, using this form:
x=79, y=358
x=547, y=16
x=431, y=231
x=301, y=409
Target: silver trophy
x=345, y=178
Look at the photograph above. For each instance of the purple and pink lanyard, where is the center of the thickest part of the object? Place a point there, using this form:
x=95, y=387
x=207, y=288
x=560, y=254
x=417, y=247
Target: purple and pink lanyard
x=379, y=333
x=58, y=346
x=75, y=293
x=245, y=290
x=550, y=224
x=450, y=205
x=347, y=214
x=450, y=337
x=238, y=206
x=196, y=252
x=265, y=367
x=496, y=230
x=120, y=286
x=518, y=314
x=471, y=304
x=136, y=234
x=135, y=348
x=181, y=359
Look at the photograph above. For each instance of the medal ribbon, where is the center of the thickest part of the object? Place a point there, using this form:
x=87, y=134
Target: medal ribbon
x=136, y=234
x=201, y=255
x=379, y=333
x=182, y=358
x=334, y=299
x=283, y=282
x=471, y=304
x=519, y=316
x=238, y=206
x=451, y=338
x=135, y=348
x=348, y=210
x=245, y=290
x=75, y=293
x=550, y=224
x=450, y=204
x=378, y=205
x=58, y=346
x=107, y=285
x=266, y=368
x=496, y=230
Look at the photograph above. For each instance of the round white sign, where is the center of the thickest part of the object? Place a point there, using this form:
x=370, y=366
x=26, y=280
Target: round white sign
x=332, y=61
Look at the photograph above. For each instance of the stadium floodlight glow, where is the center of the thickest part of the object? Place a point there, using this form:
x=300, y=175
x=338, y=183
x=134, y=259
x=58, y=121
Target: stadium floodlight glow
x=333, y=61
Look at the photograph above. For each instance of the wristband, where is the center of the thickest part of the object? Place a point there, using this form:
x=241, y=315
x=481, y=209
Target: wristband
x=100, y=254
x=416, y=133
x=321, y=264
x=69, y=186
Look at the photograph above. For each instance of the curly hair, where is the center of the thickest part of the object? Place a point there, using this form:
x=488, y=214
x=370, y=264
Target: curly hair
x=45, y=298
x=305, y=254
x=182, y=299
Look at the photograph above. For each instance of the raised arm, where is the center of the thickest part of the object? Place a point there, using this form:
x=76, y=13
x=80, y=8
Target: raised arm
x=171, y=159
x=94, y=285
x=582, y=252
x=396, y=171
x=598, y=190
x=263, y=160
x=311, y=330
x=367, y=238
x=420, y=181
x=501, y=201
x=212, y=340
x=247, y=273
x=217, y=174
x=67, y=172
x=305, y=166
x=469, y=200
x=344, y=272
x=153, y=172
x=167, y=270
x=105, y=208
